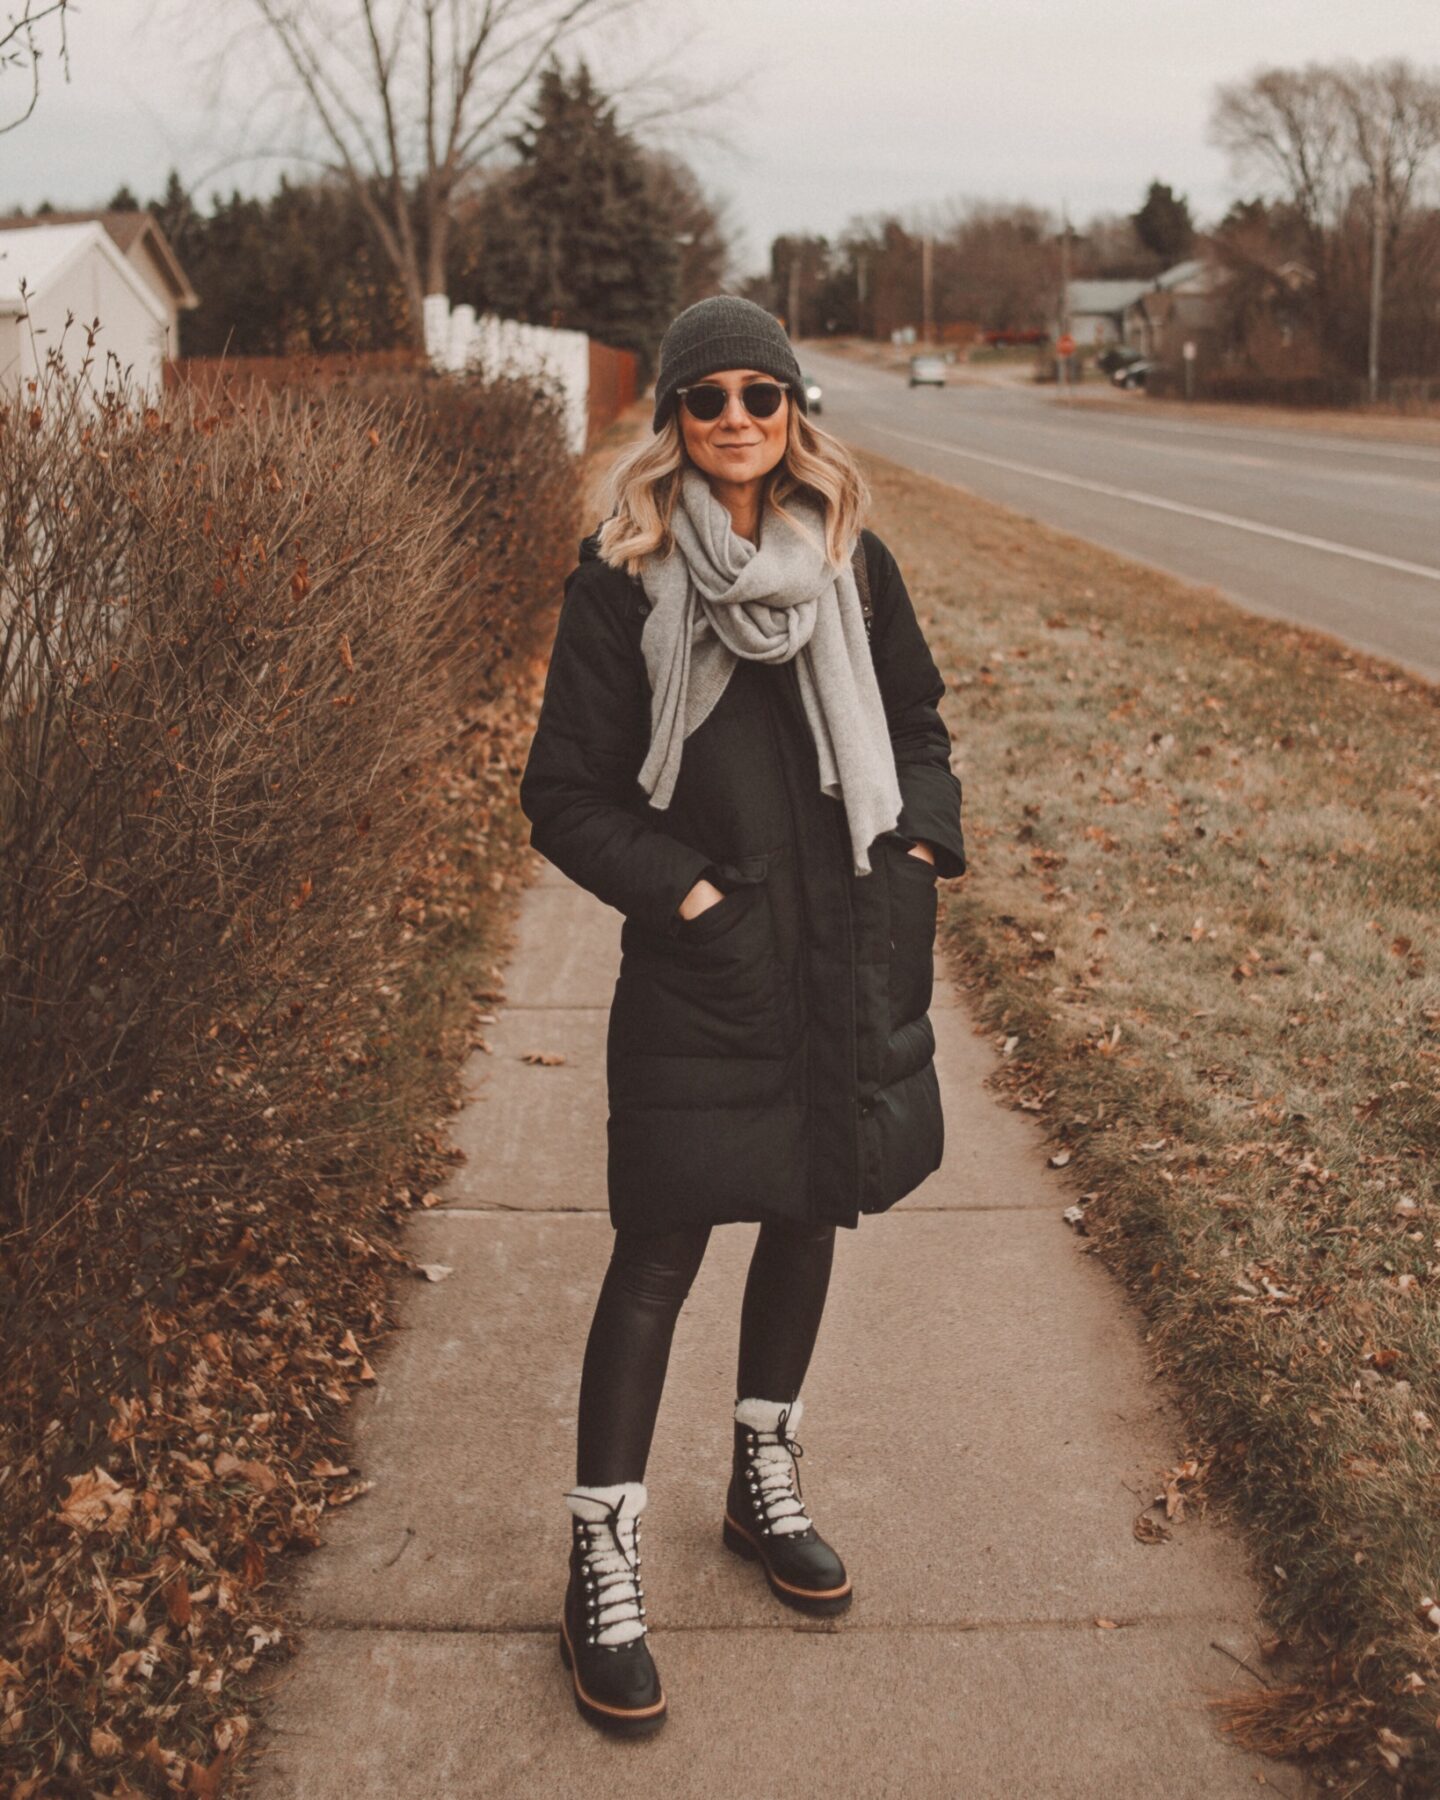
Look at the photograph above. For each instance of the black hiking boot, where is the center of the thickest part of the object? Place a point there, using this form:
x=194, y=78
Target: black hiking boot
x=764, y=1520
x=602, y=1627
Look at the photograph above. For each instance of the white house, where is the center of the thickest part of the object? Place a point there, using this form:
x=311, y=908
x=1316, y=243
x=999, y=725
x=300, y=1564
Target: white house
x=1097, y=309
x=77, y=271
x=137, y=235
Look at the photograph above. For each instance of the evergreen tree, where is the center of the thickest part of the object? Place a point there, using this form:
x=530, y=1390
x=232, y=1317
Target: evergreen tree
x=1163, y=223
x=570, y=237
x=296, y=273
x=184, y=228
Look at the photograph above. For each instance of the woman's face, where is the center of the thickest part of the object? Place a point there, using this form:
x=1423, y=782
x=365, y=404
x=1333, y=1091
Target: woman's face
x=735, y=448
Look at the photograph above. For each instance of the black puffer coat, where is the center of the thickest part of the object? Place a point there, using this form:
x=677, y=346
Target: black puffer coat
x=772, y=1057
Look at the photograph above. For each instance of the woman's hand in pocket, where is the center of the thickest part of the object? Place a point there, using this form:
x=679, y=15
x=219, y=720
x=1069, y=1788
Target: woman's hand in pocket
x=700, y=899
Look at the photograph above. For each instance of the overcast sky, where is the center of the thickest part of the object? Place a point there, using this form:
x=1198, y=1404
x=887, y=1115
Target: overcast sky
x=828, y=108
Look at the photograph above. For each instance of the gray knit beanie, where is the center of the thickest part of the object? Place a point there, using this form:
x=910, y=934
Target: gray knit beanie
x=723, y=332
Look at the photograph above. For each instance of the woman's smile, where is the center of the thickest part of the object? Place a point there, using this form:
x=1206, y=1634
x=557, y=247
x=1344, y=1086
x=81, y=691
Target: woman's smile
x=737, y=466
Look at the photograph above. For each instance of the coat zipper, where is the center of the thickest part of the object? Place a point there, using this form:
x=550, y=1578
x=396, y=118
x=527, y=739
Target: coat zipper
x=803, y=911
x=856, y=1116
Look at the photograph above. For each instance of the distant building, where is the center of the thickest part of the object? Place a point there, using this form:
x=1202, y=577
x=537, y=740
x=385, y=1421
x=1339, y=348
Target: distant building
x=1178, y=307
x=1097, y=310
x=1154, y=316
x=77, y=271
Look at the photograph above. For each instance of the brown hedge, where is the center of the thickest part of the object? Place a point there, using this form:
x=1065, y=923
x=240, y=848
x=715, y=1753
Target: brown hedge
x=259, y=658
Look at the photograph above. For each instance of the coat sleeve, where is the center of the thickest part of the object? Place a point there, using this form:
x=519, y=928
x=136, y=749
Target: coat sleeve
x=912, y=688
x=579, y=788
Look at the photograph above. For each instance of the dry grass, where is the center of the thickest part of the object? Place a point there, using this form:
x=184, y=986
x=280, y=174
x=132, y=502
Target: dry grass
x=1377, y=424
x=1205, y=852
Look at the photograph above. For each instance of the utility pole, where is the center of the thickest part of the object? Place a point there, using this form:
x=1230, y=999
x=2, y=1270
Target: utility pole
x=1377, y=275
x=927, y=282
x=793, y=321
x=1063, y=361
x=862, y=272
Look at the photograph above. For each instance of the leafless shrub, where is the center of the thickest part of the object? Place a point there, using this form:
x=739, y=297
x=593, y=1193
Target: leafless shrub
x=502, y=444
x=256, y=773
x=214, y=708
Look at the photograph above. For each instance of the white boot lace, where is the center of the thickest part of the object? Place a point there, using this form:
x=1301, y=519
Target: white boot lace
x=772, y=1474
x=610, y=1577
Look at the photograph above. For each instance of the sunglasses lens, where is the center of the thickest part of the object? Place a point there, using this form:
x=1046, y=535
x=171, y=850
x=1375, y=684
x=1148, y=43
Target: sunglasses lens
x=762, y=399
x=705, y=401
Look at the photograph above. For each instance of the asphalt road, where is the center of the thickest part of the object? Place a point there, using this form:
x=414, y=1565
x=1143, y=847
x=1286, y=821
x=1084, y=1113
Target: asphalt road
x=1331, y=532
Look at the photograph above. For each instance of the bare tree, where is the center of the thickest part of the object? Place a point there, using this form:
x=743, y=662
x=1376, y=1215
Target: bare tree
x=699, y=224
x=1394, y=117
x=410, y=97
x=1392, y=114
x=1290, y=125
x=1345, y=148
x=21, y=50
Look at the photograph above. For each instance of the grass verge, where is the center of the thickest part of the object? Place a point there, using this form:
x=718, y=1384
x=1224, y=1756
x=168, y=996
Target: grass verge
x=1205, y=852
x=1370, y=424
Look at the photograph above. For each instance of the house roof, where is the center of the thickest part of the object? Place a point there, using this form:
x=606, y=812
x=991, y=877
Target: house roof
x=126, y=229
x=1179, y=274
x=1103, y=297
x=39, y=254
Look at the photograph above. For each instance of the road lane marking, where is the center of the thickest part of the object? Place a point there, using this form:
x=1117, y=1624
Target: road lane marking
x=1233, y=520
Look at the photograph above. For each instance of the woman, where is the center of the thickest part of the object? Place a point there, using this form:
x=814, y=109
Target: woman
x=754, y=773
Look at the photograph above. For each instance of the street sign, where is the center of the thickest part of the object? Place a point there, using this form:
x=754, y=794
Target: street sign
x=1066, y=346
x=1188, y=351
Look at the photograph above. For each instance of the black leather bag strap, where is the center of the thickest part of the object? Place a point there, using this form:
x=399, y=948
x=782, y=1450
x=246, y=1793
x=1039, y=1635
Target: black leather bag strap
x=862, y=581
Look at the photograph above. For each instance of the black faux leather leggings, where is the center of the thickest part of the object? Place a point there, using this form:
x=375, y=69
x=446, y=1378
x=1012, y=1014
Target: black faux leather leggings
x=628, y=1349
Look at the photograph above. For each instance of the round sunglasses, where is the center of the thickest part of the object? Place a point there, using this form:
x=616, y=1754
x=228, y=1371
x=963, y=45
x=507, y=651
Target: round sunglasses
x=706, y=400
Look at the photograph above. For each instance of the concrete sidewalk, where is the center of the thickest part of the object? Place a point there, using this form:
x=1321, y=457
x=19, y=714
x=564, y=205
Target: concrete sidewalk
x=979, y=1433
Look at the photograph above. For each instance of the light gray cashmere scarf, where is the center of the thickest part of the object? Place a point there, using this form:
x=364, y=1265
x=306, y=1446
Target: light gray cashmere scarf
x=715, y=597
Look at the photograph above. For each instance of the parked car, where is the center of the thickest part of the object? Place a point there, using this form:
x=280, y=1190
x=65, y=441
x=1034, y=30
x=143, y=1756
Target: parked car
x=927, y=371
x=1132, y=375
x=1117, y=356
x=814, y=393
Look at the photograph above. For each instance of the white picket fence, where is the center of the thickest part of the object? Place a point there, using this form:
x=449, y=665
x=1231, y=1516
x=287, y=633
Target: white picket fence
x=457, y=338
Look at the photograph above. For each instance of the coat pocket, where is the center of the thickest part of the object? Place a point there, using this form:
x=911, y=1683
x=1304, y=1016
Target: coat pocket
x=913, y=905
x=746, y=879
x=709, y=988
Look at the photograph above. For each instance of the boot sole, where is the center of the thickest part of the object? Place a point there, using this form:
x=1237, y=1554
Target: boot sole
x=820, y=1603
x=621, y=1721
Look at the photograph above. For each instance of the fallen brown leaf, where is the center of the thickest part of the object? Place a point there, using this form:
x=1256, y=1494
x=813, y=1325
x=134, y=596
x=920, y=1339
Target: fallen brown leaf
x=96, y=1502
x=177, y=1601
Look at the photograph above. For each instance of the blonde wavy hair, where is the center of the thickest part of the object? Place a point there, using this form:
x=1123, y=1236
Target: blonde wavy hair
x=643, y=487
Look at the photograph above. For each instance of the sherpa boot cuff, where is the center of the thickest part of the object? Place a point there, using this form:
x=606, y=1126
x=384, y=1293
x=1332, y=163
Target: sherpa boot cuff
x=764, y=1415
x=594, y=1503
